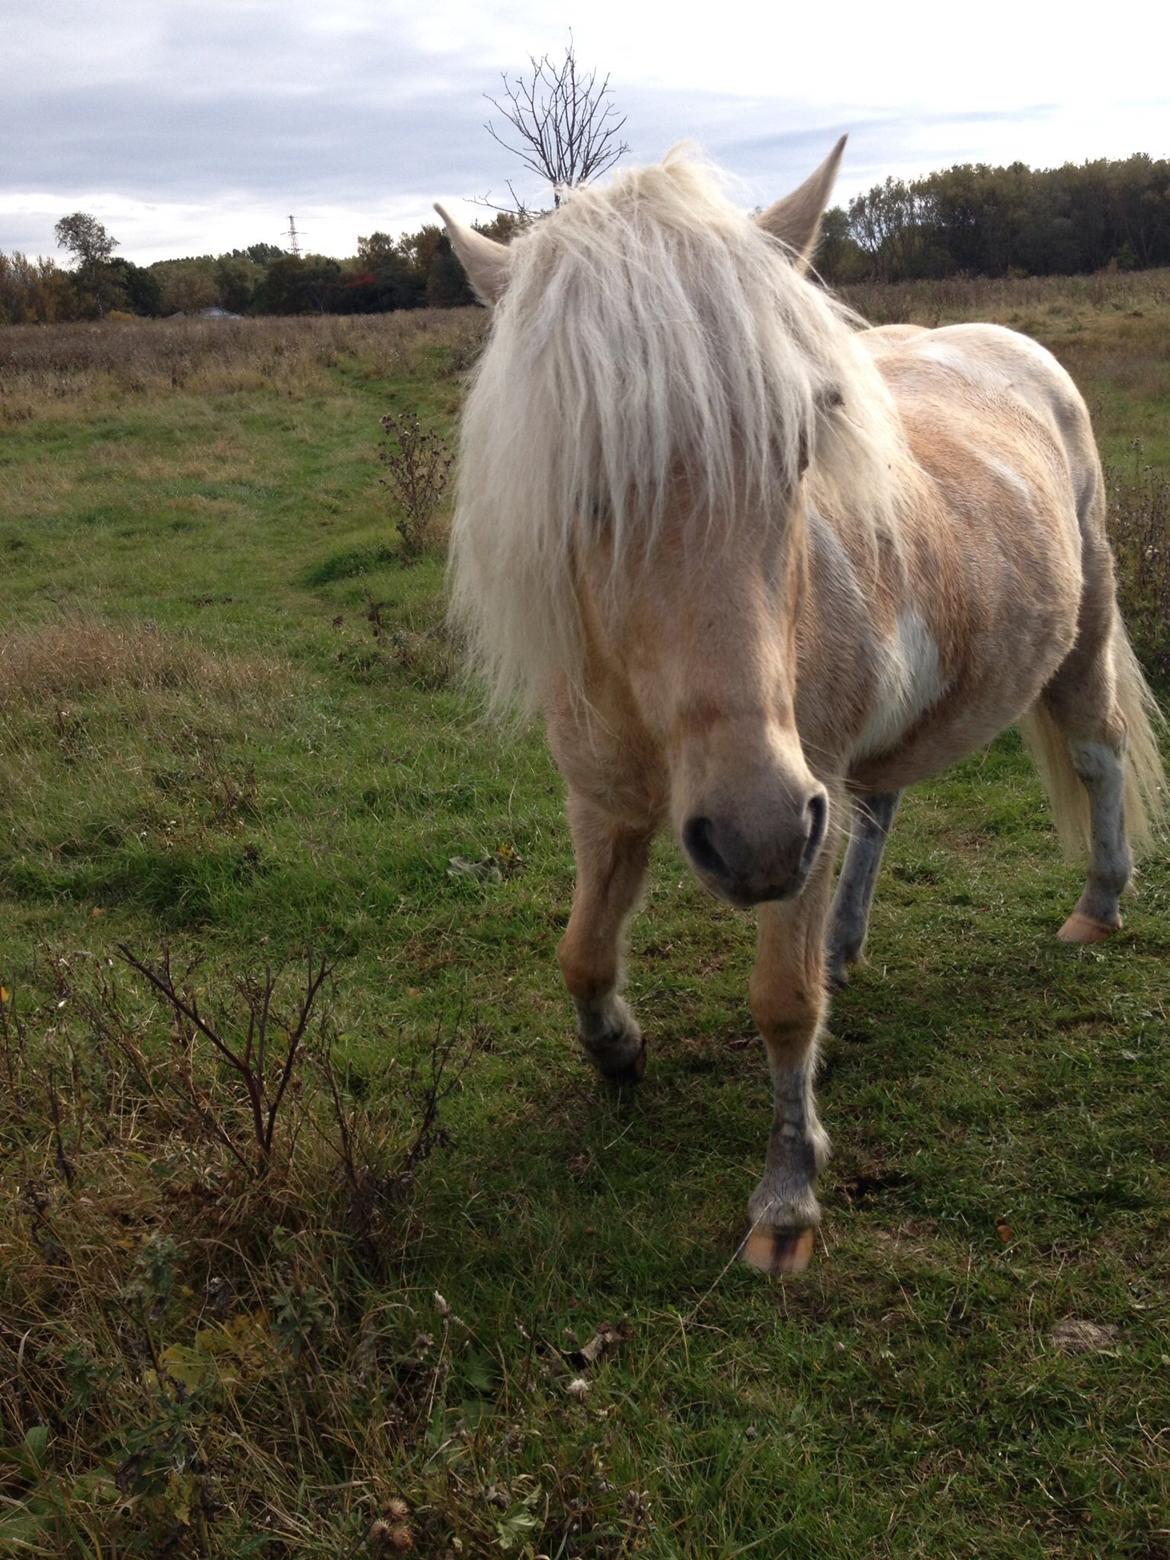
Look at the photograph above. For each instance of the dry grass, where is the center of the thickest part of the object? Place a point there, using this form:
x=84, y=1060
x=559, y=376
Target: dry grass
x=1139, y=525
x=61, y=368
x=1011, y=301
x=77, y=657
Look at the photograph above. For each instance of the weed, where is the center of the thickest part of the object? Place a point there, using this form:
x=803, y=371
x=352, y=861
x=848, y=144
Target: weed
x=419, y=468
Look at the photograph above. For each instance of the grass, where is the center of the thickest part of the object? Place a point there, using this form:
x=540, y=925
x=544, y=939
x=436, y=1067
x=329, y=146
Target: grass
x=229, y=720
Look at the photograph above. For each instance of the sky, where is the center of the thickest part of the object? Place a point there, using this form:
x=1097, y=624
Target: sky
x=194, y=128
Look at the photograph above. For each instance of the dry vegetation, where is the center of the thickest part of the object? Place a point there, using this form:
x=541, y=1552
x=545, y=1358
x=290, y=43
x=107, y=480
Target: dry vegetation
x=195, y=1334
x=47, y=369
x=74, y=657
x=1010, y=301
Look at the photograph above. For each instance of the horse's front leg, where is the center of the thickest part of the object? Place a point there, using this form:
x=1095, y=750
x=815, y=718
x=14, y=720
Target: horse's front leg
x=789, y=1005
x=611, y=866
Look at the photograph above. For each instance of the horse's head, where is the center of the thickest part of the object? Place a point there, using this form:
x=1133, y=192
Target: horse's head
x=631, y=518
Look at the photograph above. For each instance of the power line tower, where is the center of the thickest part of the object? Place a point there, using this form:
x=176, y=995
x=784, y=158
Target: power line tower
x=294, y=238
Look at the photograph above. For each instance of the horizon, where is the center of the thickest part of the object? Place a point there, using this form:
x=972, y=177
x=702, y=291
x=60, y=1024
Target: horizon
x=306, y=252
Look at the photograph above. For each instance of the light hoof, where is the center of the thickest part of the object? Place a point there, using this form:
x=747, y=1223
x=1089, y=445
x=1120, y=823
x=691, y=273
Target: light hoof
x=778, y=1252
x=1084, y=929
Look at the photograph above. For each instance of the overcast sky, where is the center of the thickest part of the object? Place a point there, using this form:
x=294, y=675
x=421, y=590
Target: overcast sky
x=191, y=128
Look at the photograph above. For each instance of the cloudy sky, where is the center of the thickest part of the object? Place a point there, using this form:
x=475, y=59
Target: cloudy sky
x=197, y=127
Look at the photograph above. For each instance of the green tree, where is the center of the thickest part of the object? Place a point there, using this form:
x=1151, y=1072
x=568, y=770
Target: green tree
x=839, y=257
x=447, y=286
x=236, y=281
x=91, y=247
x=187, y=285
x=137, y=287
x=35, y=291
x=260, y=254
x=299, y=284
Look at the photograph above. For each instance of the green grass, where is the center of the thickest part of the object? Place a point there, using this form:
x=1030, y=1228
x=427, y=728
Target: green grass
x=204, y=740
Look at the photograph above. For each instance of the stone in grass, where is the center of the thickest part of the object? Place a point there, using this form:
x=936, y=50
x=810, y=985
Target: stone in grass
x=1076, y=1336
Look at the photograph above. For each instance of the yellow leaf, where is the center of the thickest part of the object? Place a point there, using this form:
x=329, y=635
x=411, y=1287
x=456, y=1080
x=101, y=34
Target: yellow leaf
x=192, y=1367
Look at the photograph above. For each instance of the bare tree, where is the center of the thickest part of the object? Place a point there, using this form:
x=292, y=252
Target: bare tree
x=564, y=126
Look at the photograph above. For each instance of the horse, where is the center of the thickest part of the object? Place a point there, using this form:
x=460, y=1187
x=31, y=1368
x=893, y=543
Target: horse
x=761, y=568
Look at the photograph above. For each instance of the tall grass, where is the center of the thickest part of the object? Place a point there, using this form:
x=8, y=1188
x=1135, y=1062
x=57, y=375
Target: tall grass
x=952, y=299
x=60, y=368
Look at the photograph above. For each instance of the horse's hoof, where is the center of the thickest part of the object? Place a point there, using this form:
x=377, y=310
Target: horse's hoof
x=778, y=1251
x=1084, y=929
x=626, y=1074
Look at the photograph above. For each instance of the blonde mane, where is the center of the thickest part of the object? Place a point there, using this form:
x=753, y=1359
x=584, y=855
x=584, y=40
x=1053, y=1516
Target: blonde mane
x=655, y=350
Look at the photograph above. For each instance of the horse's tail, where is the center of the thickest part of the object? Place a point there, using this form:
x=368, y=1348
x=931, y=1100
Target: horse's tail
x=1145, y=780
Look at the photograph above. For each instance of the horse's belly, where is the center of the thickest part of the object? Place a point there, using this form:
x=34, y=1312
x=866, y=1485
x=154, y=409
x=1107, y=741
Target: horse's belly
x=960, y=719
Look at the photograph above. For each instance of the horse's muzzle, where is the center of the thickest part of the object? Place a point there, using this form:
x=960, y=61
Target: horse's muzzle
x=746, y=870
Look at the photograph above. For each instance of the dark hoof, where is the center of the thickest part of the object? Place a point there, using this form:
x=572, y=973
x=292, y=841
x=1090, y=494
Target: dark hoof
x=622, y=1075
x=778, y=1251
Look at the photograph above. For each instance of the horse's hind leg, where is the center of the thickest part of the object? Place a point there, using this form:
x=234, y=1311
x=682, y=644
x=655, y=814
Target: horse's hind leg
x=873, y=815
x=1083, y=706
x=1100, y=763
x=611, y=866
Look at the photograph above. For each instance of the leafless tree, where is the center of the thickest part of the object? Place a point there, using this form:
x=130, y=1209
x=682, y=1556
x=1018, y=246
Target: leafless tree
x=560, y=121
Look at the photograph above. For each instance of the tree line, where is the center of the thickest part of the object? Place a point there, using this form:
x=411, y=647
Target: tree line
x=977, y=220
x=972, y=219
x=412, y=271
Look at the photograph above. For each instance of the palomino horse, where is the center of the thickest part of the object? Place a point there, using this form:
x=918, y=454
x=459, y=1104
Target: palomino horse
x=761, y=568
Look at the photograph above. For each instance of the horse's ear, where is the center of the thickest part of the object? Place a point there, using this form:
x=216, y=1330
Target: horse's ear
x=487, y=263
x=797, y=218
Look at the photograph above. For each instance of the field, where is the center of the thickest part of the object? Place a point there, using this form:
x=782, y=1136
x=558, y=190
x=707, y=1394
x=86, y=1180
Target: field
x=356, y=1261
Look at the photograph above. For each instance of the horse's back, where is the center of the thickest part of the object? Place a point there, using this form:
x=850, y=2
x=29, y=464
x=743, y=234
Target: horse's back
x=1000, y=372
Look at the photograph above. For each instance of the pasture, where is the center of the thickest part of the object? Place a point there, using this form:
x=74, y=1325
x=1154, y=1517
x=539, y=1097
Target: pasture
x=451, y=1295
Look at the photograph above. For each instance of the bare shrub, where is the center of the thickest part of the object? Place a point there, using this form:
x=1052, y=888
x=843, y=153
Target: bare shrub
x=417, y=649
x=418, y=465
x=262, y=1046
x=188, y=1326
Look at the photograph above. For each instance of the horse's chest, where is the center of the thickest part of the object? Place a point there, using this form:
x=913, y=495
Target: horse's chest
x=908, y=682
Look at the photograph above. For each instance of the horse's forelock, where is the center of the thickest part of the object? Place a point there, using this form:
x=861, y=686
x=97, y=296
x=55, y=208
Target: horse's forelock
x=653, y=342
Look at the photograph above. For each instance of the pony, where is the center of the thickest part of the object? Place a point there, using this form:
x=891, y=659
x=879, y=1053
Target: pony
x=760, y=568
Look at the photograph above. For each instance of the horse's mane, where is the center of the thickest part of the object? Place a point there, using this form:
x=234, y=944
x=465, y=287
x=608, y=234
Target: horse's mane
x=655, y=348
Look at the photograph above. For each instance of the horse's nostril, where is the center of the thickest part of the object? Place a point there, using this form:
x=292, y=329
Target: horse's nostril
x=698, y=838
x=817, y=811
